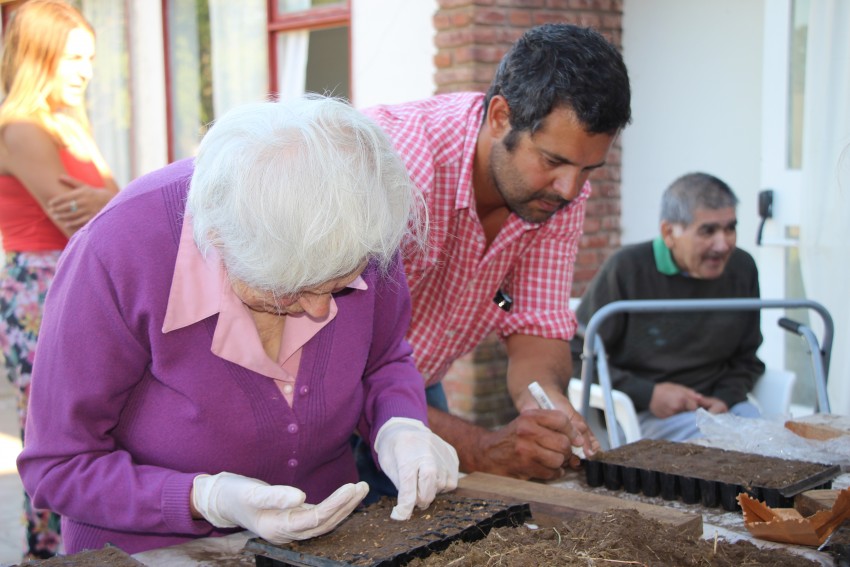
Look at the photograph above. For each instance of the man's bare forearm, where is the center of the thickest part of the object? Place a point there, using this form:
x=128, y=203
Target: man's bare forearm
x=460, y=434
x=531, y=446
x=535, y=359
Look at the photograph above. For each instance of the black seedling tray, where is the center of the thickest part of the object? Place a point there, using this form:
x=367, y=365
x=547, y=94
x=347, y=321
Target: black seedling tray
x=443, y=533
x=691, y=490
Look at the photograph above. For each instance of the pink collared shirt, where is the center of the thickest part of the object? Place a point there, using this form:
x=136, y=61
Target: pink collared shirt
x=200, y=289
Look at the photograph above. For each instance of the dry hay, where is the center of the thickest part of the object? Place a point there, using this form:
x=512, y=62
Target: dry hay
x=612, y=538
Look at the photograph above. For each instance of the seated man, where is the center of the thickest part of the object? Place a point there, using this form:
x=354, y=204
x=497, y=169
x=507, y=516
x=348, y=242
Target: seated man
x=671, y=364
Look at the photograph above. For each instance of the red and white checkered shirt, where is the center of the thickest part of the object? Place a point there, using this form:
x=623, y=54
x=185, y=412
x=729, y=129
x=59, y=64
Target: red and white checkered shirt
x=454, y=280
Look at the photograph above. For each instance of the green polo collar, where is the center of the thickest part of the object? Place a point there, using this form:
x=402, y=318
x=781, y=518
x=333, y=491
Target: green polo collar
x=664, y=262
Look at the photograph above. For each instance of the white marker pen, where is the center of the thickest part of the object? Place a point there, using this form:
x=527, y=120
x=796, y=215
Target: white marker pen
x=540, y=396
x=545, y=403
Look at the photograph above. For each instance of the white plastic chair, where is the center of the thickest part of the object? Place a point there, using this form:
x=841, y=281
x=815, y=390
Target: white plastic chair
x=772, y=392
x=624, y=411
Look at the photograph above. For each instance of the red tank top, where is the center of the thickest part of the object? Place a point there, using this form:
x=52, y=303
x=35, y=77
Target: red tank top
x=23, y=223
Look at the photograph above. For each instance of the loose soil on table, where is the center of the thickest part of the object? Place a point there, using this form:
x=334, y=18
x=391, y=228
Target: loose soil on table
x=611, y=538
x=109, y=555
x=709, y=463
x=370, y=537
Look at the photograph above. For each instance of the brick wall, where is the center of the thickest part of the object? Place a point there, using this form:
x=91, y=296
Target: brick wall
x=471, y=37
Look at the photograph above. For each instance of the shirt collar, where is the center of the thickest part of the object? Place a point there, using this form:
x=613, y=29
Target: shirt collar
x=464, y=198
x=664, y=262
x=196, y=286
x=199, y=287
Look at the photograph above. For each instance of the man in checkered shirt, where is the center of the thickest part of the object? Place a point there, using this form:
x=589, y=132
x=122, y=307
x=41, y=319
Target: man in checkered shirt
x=504, y=180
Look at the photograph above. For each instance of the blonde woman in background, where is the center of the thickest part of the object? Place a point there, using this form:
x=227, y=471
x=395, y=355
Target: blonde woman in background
x=53, y=180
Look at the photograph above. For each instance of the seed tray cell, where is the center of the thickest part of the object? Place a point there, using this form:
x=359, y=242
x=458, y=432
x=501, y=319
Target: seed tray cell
x=625, y=468
x=369, y=538
x=689, y=490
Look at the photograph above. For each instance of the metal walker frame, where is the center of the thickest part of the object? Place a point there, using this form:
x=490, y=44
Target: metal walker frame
x=594, y=350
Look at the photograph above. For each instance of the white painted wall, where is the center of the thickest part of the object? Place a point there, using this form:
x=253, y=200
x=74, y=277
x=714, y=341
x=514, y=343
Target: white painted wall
x=695, y=70
x=392, y=44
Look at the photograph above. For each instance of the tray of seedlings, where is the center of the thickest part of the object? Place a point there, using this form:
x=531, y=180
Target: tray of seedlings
x=706, y=475
x=369, y=537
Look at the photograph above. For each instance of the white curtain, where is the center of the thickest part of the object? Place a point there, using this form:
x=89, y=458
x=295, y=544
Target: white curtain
x=239, y=52
x=825, y=222
x=108, y=94
x=292, y=49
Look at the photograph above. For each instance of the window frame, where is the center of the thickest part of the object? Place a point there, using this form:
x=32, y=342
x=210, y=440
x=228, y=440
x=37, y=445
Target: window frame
x=337, y=15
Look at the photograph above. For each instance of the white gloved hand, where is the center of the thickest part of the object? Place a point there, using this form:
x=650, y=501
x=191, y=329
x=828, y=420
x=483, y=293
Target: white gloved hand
x=277, y=514
x=420, y=464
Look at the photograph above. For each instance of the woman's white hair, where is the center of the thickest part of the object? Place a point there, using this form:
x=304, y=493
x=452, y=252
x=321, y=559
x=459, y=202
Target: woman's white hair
x=294, y=194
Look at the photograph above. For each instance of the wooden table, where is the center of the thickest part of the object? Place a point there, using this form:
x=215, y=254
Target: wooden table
x=568, y=503
x=568, y=498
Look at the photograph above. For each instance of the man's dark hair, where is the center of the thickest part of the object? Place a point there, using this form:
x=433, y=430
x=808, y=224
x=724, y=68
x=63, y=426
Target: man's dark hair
x=694, y=191
x=562, y=65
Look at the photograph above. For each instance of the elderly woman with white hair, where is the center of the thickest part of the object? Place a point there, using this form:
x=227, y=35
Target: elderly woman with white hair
x=214, y=337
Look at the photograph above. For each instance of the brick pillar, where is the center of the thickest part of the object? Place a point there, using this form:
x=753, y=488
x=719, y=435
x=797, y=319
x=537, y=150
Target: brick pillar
x=471, y=37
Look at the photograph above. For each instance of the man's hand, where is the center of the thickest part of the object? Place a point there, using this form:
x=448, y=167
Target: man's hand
x=548, y=362
x=537, y=444
x=76, y=207
x=669, y=399
x=579, y=432
x=715, y=405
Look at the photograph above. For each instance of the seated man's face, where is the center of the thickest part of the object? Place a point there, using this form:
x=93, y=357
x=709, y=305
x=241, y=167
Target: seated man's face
x=703, y=248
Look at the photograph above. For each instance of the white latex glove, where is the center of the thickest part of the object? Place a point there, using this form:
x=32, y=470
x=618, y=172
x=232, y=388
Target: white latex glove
x=420, y=464
x=277, y=514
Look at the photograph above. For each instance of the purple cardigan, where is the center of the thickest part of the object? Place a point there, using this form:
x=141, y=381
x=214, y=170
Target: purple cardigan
x=122, y=417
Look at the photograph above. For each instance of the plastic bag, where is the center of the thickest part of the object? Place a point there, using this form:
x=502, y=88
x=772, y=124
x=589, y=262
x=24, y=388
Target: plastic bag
x=768, y=438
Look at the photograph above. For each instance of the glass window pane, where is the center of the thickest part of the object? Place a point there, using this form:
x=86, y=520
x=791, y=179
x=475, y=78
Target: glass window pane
x=797, y=81
x=108, y=95
x=288, y=6
x=797, y=356
x=190, y=74
x=239, y=42
x=313, y=61
x=327, y=62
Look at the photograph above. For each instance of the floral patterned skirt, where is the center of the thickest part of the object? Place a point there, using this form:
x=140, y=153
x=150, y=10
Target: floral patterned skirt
x=24, y=281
